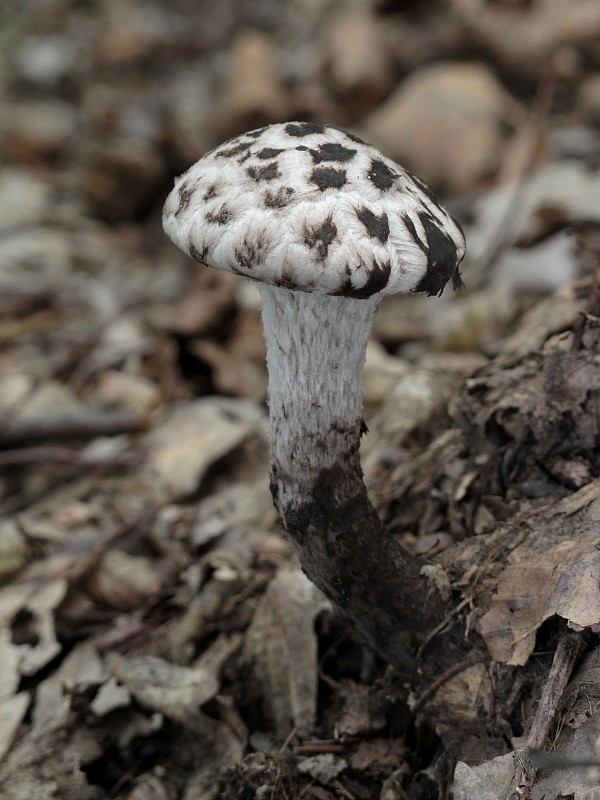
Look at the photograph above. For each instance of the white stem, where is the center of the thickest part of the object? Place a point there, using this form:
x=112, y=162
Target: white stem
x=315, y=354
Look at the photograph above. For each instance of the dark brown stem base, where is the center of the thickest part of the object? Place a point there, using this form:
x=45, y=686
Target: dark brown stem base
x=346, y=551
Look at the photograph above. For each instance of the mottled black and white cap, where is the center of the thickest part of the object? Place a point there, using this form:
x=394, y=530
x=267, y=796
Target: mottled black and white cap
x=311, y=208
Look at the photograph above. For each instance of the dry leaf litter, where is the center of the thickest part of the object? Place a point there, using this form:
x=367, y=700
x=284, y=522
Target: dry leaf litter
x=157, y=638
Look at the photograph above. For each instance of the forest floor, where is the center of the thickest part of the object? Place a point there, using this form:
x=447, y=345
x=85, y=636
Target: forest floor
x=158, y=640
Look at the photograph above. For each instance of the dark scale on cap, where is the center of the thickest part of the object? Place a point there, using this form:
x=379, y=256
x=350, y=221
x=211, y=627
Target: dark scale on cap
x=251, y=252
x=266, y=173
x=210, y=192
x=354, y=138
x=285, y=282
x=222, y=216
x=257, y=133
x=427, y=190
x=270, y=152
x=379, y=276
x=198, y=255
x=279, y=198
x=304, y=128
x=321, y=236
x=332, y=152
x=441, y=257
x=381, y=175
x=185, y=195
x=301, y=147
x=377, y=227
x=328, y=178
x=234, y=151
x=410, y=227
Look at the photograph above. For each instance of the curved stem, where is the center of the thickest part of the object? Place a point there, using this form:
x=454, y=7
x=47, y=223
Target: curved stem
x=315, y=353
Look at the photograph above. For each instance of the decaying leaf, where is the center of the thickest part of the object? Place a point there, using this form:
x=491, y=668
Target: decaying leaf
x=177, y=692
x=124, y=581
x=379, y=754
x=241, y=505
x=47, y=765
x=27, y=635
x=196, y=435
x=488, y=781
x=82, y=668
x=282, y=648
x=12, y=711
x=562, y=580
x=323, y=767
x=222, y=743
x=459, y=707
x=363, y=713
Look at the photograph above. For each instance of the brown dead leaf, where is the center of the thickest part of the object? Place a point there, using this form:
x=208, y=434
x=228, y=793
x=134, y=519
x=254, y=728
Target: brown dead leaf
x=561, y=581
x=459, y=706
x=12, y=711
x=47, y=765
x=363, y=714
x=384, y=755
x=81, y=666
x=281, y=647
x=27, y=636
x=177, y=692
x=324, y=767
x=488, y=781
x=239, y=368
x=123, y=581
x=194, y=436
x=203, y=610
x=222, y=743
x=202, y=306
x=81, y=669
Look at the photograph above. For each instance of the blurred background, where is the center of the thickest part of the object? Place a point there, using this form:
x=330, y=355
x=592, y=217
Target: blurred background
x=133, y=465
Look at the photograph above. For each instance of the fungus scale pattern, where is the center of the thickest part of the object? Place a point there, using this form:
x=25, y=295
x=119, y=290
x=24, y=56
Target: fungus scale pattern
x=311, y=208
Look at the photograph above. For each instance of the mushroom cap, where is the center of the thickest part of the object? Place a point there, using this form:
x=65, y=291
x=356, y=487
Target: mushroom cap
x=309, y=207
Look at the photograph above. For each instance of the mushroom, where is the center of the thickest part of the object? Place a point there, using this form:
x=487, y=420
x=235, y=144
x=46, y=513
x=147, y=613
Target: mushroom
x=327, y=226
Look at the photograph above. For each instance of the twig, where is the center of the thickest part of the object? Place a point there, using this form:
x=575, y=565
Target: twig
x=106, y=423
x=63, y=455
x=439, y=628
x=318, y=747
x=569, y=648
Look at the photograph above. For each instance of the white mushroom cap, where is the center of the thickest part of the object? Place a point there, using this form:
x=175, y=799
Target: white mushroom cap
x=311, y=208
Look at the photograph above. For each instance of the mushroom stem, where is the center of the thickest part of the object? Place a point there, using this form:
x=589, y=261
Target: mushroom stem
x=315, y=353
